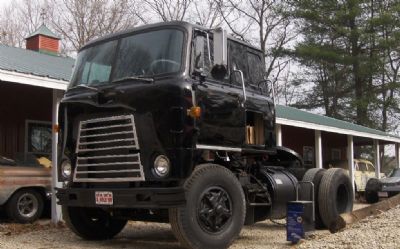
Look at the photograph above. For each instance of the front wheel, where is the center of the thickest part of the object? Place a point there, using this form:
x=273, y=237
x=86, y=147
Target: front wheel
x=92, y=223
x=25, y=206
x=215, y=209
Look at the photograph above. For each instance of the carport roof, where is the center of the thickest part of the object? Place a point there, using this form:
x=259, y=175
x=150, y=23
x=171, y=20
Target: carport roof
x=294, y=117
x=18, y=64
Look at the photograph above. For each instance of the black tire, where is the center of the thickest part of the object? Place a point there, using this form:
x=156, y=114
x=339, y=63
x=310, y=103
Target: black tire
x=315, y=176
x=371, y=196
x=335, y=196
x=25, y=206
x=207, y=184
x=92, y=223
x=371, y=190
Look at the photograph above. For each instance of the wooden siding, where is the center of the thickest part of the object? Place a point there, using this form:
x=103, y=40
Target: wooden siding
x=19, y=103
x=42, y=43
x=48, y=44
x=33, y=43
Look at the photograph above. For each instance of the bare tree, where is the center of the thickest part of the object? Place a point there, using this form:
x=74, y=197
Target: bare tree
x=76, y=21
x=80, y=21
x=10, y=29
x=169, y=10
x=206, y=13
x=32, y=13
x=19, y=19
x=263, y=23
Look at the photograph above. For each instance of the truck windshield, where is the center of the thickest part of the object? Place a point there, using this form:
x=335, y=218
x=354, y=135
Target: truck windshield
x=141, y=55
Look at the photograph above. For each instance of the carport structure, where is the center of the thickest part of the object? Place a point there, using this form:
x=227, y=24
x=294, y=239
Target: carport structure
x=32, y=82
x=320, y=139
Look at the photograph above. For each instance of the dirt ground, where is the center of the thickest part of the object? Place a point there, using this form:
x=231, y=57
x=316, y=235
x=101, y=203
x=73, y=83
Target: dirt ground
x=43, y=235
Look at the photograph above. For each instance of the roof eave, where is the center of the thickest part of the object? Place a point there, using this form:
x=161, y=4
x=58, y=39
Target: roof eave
x=313, y=126
x=33, y=80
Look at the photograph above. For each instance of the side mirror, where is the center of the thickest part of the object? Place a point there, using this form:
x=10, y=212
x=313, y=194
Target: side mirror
x=220, y=69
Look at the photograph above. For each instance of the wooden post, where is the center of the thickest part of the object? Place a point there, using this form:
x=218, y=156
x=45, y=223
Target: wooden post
x=397, y=147
x=278, y=130
x=55, y=209
x=377, y=159
x=318, y=149
x=350, y=160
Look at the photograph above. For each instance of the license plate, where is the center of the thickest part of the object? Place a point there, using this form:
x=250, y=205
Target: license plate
x=383, y=194
x=104, y=198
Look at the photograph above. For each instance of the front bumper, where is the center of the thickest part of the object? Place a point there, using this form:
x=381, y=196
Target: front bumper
x=124, y=198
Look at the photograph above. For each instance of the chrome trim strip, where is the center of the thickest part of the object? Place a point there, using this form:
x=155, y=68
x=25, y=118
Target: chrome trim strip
x=108, y=141
x=106, y=156
x=213, y=147
x=109, y=148
x=107, y=134
x=108, y=171
x=105, y=127
x=112, y=118
x=107, y=164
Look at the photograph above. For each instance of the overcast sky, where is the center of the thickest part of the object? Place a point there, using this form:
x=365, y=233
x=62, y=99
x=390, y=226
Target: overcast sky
x=3, y=2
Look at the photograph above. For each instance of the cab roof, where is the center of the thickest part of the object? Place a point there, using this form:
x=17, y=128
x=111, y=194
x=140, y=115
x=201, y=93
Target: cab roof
x=185, y=25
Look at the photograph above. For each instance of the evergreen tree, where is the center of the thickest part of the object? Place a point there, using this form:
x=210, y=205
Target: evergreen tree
x=342, y=51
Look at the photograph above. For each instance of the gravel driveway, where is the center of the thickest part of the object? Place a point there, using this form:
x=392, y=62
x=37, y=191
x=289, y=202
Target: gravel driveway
x=375, y=232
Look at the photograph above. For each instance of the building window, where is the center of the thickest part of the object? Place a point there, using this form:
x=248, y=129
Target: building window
x=336, y=154
x=308, y=155
x=38, y=137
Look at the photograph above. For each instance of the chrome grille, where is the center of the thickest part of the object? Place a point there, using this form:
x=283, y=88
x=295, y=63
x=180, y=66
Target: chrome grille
x=107, y=150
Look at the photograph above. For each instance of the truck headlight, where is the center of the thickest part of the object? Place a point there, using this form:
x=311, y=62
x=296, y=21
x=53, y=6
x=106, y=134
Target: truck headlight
x=66, y=168
x=161, y=166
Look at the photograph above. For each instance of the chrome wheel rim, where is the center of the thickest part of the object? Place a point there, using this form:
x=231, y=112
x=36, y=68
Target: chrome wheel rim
x=27, y=205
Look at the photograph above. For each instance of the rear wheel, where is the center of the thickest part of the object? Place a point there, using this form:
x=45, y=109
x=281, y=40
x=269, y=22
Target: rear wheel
x=315, y=176
x=92, y=223
x=335, y=196
x=215, y=209
x=371, y=190
x=371, y=196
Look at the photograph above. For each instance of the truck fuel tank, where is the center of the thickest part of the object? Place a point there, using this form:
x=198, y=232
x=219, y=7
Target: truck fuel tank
x=281, y=185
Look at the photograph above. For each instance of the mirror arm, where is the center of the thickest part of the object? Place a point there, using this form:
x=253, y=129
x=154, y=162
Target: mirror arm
x=243, y=85
x=273, y=93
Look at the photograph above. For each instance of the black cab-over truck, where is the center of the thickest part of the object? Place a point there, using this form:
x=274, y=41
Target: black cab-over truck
x=173, y=122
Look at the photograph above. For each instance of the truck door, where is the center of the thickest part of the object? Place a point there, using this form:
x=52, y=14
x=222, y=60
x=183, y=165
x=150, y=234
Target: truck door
x=223, y=117
x=258, y=108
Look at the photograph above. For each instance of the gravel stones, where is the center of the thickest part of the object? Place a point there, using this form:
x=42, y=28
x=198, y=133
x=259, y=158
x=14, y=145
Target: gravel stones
x=379, y=231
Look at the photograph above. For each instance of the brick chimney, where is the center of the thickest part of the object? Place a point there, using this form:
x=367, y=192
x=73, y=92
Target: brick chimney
x=43, y=40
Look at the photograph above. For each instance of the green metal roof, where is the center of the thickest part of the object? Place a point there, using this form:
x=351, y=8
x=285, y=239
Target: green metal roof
x=43, y=30
x=291, y=113
x=31, y=62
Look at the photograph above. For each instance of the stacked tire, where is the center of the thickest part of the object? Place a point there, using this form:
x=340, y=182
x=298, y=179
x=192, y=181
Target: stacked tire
x=333, y=195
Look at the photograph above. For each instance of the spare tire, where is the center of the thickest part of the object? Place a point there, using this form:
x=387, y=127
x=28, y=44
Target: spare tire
x=315, y=176
x=335, y=196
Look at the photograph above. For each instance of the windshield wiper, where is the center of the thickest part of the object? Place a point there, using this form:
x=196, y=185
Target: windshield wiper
x=136, y=78
x=87, y=87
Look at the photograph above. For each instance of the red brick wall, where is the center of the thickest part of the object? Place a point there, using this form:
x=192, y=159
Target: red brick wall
x=19, y=103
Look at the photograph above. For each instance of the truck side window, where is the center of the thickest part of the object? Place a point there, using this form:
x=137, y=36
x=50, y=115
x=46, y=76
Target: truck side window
x=256, y=68
x=238, y=61
x=202, y=57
